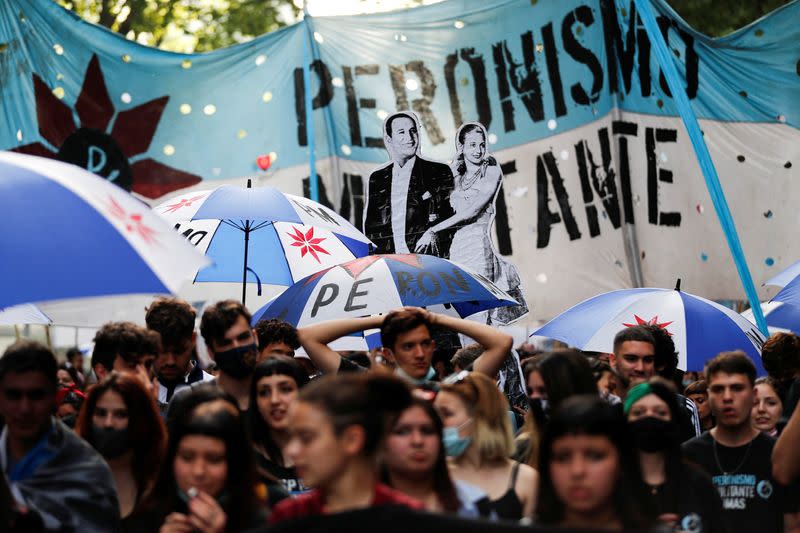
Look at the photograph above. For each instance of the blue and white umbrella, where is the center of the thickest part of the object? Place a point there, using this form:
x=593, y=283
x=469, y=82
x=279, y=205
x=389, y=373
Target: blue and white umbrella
x=262, y=235
x=780, y=317
x=700, y=328
x=23, y=314
x=71, y=234
x=377, y=284
x=789, y=279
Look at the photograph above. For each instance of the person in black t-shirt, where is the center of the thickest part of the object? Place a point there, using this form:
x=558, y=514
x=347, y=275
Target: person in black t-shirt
x=682, y=494
x=736, y=455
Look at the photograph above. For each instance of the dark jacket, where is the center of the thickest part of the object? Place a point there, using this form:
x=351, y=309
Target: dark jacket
x=428, y=204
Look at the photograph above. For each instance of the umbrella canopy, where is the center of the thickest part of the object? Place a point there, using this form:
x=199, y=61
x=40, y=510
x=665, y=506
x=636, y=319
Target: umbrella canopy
x=789, y=279
x=23, y=314
x=261, y=235
x=780, y=317
x=700, y=328
x=71, y=234
x=379, y=283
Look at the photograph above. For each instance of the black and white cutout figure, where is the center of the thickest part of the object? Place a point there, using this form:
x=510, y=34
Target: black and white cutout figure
x=477, y=180
x=409, y=195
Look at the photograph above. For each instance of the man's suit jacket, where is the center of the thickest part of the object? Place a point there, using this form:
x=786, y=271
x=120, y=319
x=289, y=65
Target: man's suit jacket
x=428, y=203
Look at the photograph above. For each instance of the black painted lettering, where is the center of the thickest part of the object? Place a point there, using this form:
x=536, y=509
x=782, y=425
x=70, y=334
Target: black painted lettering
x=622, y=128
x=551, y=54
x=456, y=282
x=656, y=175
x=581, y=54
x=323, y=300
x=432, y=291
x=422, y=105
x=321, y=99
x=546, y=164
x=523, y=77
x=403, y=279
x=355, y=293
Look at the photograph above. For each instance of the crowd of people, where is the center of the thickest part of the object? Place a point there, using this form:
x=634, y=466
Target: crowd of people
x=145, y=438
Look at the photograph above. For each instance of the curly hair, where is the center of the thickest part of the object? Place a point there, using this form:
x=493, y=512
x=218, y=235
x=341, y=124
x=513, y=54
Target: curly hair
x=780, y=355
x=173, y=319
x=274, y=330
x=124, y=339
x=218, y=318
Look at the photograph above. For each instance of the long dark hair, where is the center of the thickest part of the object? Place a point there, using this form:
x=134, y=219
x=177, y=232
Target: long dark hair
x=259, y=430
x=218, y=419
x=146, y=430
x=442, y=483
x=590, y=415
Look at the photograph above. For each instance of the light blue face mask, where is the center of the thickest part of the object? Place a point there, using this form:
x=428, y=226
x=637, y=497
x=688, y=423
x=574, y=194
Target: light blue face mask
x=454, y=444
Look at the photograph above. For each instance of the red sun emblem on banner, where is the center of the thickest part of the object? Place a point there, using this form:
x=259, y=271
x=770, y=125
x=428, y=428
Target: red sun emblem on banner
x=117, y=155
x=307, y=243
x=652, y=322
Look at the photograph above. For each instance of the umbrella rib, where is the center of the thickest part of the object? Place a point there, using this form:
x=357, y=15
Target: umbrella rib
x=231, y=224
x=262, y=224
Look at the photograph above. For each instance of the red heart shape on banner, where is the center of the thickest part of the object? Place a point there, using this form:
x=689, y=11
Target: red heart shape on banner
x=263, y=162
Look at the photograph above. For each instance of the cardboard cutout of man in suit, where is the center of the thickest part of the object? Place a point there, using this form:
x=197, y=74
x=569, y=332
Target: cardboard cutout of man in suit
x=408, y=195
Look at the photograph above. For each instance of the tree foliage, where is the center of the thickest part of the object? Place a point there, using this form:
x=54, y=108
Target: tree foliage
x=716, y=18
x=186, y=25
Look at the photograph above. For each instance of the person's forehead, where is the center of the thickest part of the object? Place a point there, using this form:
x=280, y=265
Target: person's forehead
x=238, y=327
x=402, y=123
x=419, y=333
x=650, y=400
x=723, y=378
x=639, y=348
x=25, y=380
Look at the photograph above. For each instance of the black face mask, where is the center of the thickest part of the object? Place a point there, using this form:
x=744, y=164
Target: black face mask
x=233, y=363
x=69, y=420
x=652, y=434
x=110, y=442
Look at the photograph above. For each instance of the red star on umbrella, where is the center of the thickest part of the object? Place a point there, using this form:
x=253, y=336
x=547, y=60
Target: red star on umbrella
x=185, y=202
x=117, y=155
x=307, y=243
x=652, y=322
x=133, y=222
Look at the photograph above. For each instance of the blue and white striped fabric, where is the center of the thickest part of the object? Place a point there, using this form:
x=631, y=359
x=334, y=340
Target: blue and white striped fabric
x=71, y=234
x=700, y=328
x=789, y=279
x=781, y=317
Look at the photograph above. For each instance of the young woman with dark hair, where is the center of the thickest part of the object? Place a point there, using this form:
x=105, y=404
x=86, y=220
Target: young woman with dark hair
x=207, y=483
x=681, y=495
x=121, y=421
x=414, y=462
x=338, y=424
x=589, y=474
x=276, y=383
x=479, y=441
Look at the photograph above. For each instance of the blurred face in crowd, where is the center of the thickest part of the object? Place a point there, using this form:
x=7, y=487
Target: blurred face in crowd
x=64, y=379
x=767, y=409
x=27, y=400
x=110, y=411
x=275, y=395
x=413, y=351
x=318, y=454
x=239, y=334
x=77, y=362
x=536, y=388
x=731, y=397
x=649, y=406
x=634, y=361
x=453, y=412
x=584, y=470
x=413, y=444
x=275, y=348
x=173, y=363
x=703, y=407
x=135, y=365
x=609, y=384
x=201, y=463
x=66, y=409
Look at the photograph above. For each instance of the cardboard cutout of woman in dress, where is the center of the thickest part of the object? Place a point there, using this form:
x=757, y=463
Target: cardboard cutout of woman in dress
x=477, y=180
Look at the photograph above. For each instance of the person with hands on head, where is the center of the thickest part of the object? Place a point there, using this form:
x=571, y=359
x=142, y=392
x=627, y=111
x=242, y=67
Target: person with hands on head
x=407, y=342
x=125, y=347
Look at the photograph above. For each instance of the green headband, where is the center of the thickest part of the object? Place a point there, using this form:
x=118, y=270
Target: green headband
x=637, y=393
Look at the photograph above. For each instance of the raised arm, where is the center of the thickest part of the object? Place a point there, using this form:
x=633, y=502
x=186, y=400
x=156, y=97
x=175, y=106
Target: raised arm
x=315, y=339
x=496, y=344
